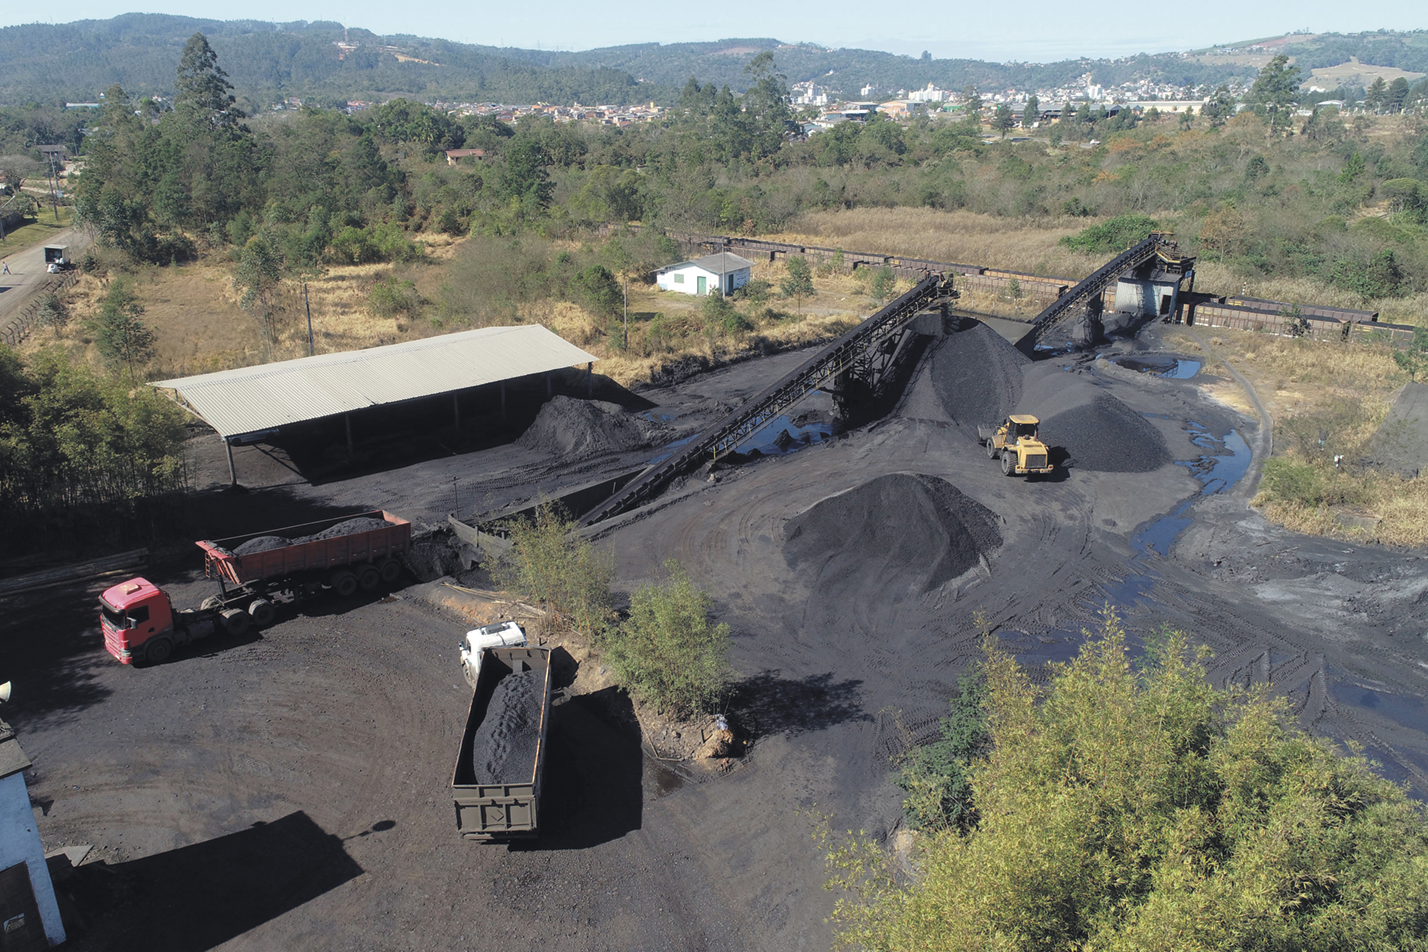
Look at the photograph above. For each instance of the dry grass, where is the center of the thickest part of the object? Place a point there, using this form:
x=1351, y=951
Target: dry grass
x=1340, y=393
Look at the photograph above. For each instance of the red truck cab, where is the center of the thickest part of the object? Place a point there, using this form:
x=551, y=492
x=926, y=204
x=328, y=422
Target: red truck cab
x=131, y=613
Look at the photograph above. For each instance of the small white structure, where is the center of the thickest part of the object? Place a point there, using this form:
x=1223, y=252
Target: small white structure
x=725, y=270
x=29, y=915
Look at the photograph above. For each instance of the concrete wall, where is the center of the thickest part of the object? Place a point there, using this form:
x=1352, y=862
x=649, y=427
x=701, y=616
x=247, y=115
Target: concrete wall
x=20, y=843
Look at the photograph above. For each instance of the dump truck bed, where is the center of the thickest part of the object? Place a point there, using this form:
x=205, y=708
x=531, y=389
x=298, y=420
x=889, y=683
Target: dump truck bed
x=220, y=560
x=503, y=807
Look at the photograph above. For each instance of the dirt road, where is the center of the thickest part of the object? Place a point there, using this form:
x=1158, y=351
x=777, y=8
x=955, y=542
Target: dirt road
x=291, y=790
x=27, y=271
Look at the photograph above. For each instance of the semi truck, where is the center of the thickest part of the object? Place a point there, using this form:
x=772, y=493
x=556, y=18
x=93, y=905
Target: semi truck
x=496, y=785
x=254, y=572
x=56, y=258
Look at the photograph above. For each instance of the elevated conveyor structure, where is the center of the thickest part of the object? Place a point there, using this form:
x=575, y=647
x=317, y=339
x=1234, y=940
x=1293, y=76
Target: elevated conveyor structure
x=1088, y=293
x=865, y=352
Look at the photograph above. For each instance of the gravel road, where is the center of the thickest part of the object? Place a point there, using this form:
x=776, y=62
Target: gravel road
x=290, y=789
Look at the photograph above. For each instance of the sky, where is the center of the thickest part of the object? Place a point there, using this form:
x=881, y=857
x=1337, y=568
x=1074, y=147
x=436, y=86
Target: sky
x=1031, y=30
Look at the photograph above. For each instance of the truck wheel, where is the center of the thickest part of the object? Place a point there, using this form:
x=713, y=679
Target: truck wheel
x=344, y=583
x=262, y=612
x=1008, y=464
x=236, y=621
x=991, y=448
x=211, y=602
x=157, y=651
x=368, y=577
x=391, y=571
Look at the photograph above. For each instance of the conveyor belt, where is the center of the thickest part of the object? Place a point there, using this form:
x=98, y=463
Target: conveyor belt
x=756, y=412
x=1090, y=288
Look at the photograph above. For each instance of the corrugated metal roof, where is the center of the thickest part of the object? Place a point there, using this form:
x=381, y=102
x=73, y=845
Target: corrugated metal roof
x=251, y=399
x=721, y=263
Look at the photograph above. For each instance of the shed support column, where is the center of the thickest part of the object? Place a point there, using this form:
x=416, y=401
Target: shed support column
x=347, y=419
x=590, y=380
x=503, y=399
x=456, y=410
x=232, y=475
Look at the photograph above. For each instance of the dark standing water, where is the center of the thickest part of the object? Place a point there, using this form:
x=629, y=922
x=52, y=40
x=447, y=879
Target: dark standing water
x=1171, y=368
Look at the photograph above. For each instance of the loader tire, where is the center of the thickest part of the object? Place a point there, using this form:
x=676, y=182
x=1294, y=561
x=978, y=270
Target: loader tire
x=1008, y=464
x=991, y=448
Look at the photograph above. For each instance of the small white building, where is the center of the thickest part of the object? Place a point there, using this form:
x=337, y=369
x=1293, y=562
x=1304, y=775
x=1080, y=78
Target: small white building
x=29, y=914
x=705, y=275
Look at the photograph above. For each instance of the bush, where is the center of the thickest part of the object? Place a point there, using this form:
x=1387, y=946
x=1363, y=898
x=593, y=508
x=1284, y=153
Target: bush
x=935, y=776
x=550, y=564
x=722, y=318
x=1294, y=481
x=883, y=284
x=1112, y=236
x=668, y=653
x=384, y=242
x=392, y=296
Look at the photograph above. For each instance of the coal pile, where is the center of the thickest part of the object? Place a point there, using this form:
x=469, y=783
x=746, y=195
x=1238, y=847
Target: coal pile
x=350, y=527
x=898, y=536
x=503, y=748
x=578, y=429
x=977, y=375
x=1098, y=432
x=261, y=544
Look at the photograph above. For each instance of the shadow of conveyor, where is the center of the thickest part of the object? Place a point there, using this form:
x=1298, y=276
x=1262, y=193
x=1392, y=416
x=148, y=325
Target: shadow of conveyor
x=198, y=897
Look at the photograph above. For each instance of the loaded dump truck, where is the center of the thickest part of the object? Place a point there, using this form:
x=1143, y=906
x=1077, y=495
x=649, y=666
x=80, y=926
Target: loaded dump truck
x=497, y=781
x=505, y=634
x=1016, y=441
x=345, y=554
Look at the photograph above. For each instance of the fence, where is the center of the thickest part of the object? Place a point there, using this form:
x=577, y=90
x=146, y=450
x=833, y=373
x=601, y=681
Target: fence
x=20, y=324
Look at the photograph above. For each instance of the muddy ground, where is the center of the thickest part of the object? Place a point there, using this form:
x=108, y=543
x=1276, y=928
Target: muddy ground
x=290, y=789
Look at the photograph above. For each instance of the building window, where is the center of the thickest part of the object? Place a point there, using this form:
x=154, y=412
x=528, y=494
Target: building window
x=679, y=279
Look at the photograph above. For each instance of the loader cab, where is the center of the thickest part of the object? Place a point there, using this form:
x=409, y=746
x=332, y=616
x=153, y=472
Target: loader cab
x=1021, y=425
x=131, y=613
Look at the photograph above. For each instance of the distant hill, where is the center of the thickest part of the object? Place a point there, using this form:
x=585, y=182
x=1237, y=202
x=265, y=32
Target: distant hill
x=266, y=61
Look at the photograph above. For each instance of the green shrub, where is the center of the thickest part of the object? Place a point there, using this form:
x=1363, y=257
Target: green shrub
x=552, y=565
x=392, y=296
x=668, y=653
x=1112, y=236
x=935, y=776
x=1294, y=481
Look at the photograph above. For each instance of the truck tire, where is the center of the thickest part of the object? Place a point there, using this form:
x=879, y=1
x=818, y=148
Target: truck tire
x=991, y=448
x=1008, y=464
x=344, y=583
x=368, y=577
x=236, y=621
x=158, y=650
x=262, y=612
x=391, y=570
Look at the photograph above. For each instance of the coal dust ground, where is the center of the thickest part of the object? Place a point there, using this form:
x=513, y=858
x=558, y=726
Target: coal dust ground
x=850, y=572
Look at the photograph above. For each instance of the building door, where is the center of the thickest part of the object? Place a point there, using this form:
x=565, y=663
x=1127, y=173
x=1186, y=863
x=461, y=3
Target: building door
x=702, y=285
x=20, y=927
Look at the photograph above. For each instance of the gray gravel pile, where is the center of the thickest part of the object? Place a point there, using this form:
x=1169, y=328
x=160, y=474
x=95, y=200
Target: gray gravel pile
x=977, y=375
x=261, y=544
x=1098, y=432
x=350, y=527
x=901, y=535
x=572, y=428
x=503, y=749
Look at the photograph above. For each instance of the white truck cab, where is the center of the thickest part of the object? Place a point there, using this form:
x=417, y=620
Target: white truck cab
x=505, y=634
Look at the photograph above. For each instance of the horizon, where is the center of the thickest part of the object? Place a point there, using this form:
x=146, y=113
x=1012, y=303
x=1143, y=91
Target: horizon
x=1047, y=38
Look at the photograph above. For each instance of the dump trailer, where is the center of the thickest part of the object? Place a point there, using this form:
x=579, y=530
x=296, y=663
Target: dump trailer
x=1016, y=441
x=346, y=554
x=497, y=781
x=56, y=258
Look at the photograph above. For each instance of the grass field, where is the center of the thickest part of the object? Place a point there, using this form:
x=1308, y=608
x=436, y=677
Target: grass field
x=38, y=231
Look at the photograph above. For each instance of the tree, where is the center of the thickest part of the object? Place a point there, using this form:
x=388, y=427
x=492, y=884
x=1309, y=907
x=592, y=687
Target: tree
x=973, y=99
x=1032, y=113
x=668, y=652
x=1275, y=91
x=550, y=563
x=120, y=335
x=1396, y=95
x=53, y=312
x=882, y=285
x=201, y=89
x=1413, y=359
x=1136, y=806
x=524, y=178
x=1223, y=232
x=798, y=281
x=257, y=280
x=1375, y=97
x=1002, y=119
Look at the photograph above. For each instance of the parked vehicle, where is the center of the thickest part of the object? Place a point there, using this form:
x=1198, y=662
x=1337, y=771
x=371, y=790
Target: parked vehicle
x=497, y=782
x=56, y=258
x=505, y=634
x=345, y=554
x=1016, y=441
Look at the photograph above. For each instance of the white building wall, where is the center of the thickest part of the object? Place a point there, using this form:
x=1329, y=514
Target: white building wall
x=20, y=843
x=670, y=280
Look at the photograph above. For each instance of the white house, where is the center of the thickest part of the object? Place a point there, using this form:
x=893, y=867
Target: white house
x=29, y=915
x=704, y=275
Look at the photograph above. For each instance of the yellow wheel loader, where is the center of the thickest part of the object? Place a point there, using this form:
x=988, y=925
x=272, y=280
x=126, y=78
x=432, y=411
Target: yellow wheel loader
x=1015, y=440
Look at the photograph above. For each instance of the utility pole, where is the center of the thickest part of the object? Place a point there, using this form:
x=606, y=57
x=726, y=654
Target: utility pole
x=308, y=306
x=54, y=187
x=627, y=311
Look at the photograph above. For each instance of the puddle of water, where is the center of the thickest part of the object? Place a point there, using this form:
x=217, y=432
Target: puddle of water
x=671, y=447
x=666, y=781
x=1171, y=368
x=781, y=436
x=657, y=417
